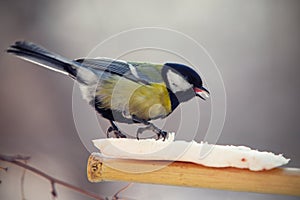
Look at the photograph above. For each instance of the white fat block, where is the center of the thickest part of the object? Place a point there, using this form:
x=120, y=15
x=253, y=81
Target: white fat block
x=200, y=153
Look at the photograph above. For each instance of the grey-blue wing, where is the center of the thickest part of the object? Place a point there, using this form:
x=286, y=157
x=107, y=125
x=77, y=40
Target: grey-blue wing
x=105, y=64
x=144, y=73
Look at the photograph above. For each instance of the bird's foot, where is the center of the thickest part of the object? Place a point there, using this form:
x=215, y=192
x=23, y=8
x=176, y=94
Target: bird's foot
x=160, y=133
x=116, y=131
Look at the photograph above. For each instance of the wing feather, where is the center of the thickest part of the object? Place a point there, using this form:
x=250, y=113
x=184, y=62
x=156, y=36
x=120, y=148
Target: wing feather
x=144, y=73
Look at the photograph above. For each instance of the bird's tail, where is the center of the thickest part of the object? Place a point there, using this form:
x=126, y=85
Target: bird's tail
x=37, y=54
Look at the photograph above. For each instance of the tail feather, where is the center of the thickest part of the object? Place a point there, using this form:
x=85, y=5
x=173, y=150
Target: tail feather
x=37, y=54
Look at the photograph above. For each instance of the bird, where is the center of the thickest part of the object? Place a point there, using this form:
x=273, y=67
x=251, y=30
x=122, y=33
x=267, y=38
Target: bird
x=123, y=91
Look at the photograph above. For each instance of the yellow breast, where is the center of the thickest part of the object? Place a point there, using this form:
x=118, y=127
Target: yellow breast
x=150, y=101
x=144, y=101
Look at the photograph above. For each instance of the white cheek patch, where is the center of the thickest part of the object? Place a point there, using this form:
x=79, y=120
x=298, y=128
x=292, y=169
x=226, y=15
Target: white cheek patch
x=176, y=82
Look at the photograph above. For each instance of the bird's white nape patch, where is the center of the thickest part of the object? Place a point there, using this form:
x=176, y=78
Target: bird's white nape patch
x=176, y=82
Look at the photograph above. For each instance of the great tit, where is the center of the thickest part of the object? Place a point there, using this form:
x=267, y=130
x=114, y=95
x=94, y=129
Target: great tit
x=126, y=92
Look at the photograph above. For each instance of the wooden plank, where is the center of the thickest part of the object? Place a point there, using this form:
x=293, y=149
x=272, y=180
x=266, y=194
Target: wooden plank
x=284, y=181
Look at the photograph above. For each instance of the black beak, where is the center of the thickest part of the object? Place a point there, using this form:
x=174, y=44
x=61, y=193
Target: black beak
x=202, y=91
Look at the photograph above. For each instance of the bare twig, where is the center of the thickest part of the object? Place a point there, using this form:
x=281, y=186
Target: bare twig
x=22, y=182
x=116, y=196
x=53, y=192
x=53, y=181
x=4, y=168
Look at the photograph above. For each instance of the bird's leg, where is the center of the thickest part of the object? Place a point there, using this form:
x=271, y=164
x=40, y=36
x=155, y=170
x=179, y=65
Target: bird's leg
x=113, y=128
x=152, y=127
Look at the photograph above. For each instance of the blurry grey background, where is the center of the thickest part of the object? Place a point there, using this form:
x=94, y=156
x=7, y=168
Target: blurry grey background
x=255, y=44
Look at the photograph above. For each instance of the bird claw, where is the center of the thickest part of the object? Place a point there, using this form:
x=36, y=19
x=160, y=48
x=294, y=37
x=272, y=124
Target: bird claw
x=160, y=133
x=116, y=131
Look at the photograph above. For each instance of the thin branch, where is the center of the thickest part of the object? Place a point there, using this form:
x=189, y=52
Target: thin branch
x=4, y=168
x=22, y=182
x=116, y=196
x=53, y=192
x=15, y=160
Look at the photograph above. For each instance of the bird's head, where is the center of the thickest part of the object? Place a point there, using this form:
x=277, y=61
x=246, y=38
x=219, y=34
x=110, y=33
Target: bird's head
x=181, y=78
